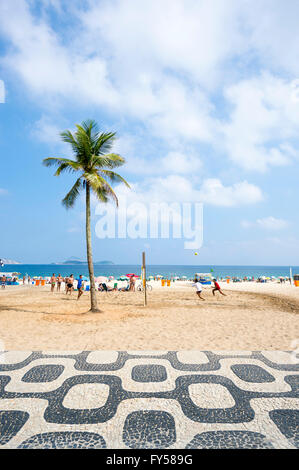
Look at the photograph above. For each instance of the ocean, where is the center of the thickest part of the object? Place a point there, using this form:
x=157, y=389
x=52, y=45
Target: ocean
x=167, y=271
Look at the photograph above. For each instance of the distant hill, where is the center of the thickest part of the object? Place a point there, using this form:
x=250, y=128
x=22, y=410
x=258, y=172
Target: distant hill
x=9, y=261
x=104, y=262
x=76, y=261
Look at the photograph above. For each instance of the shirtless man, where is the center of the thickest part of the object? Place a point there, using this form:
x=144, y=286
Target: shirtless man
x=59, y=281
x=66, y=280
x=53, y=282
x=3, y=281
x=217, y=288
x=70, y=284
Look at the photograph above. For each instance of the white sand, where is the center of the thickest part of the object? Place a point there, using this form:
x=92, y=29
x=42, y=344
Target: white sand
x=251, y=317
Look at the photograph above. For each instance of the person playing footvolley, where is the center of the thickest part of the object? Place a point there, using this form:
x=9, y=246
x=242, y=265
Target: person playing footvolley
x=217, y=288
x=198, y=287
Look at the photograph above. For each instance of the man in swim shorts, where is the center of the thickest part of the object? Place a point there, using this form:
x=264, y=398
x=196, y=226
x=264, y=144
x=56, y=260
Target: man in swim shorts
x=199, y=288
x=217, y=288
x=59, y=281
x=69, y=284
x=53, y=282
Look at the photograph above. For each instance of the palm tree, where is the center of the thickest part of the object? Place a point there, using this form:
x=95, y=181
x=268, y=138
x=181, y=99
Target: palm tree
x=95, y=166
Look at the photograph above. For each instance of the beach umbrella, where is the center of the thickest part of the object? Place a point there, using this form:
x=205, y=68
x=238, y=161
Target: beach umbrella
x=151, y=277
x=159, y=275
x=101, y=279
x=111, y=278
x=184, y=277
x=131, y=275
x=123, y=278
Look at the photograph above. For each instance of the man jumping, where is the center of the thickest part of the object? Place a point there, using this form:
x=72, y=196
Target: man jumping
x=217, y=288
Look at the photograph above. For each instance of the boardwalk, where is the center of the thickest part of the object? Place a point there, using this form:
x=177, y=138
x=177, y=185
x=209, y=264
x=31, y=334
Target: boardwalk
x=154, y=399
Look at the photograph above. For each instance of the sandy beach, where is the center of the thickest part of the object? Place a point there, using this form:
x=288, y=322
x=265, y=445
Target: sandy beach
x=251, y=317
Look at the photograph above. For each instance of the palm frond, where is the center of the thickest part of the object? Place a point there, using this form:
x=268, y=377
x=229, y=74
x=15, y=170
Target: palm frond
x=104, y=143
x=115, y=177
x=84, y=146
x=64, y=164
x=51, y=161
x=69, y=200
x=69, y=138
x=99, y=184
x=110, y=160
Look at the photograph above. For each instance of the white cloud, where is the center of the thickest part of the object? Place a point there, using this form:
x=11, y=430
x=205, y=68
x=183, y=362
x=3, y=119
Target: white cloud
x=263, y=118
x=166, y=64
x=246, y=224
x=3, y=191
x=172, y=163
x=215, y=193
x=271, y=223
x=268, y=223
x=191, y=36
x=272, y=28
x=46, y=131
x=176, y=188
x=46, y=65
x=73, y=230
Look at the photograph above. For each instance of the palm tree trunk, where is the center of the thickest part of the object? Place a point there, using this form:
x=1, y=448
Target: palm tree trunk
x=93, y=296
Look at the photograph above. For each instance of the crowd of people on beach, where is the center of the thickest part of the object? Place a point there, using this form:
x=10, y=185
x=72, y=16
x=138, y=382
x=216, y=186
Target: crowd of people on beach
x=69, y=281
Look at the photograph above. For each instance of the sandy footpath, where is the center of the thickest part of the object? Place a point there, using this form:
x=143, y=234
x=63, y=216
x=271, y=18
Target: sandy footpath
x=251, y=317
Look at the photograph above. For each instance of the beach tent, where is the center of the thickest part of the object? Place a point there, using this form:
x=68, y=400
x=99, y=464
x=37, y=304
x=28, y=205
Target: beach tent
x=101, y=279
x=123, y=278
x=204, y=278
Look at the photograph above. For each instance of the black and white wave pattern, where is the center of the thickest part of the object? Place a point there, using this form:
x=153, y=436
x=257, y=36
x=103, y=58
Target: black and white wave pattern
x=154, y=399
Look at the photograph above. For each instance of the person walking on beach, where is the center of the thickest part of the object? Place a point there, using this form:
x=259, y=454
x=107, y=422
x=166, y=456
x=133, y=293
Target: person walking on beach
x=59, y=281
x=66, y=280
x=53, y=282
x=199, y=288
x=217, y=288
x=3, y=281
x=80, y=287
x=70, y=284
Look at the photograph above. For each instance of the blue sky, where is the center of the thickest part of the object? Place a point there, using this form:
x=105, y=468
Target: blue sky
x=204, y=97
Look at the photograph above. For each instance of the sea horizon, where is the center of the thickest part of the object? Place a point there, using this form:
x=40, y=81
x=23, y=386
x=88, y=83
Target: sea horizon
x=166, y=270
